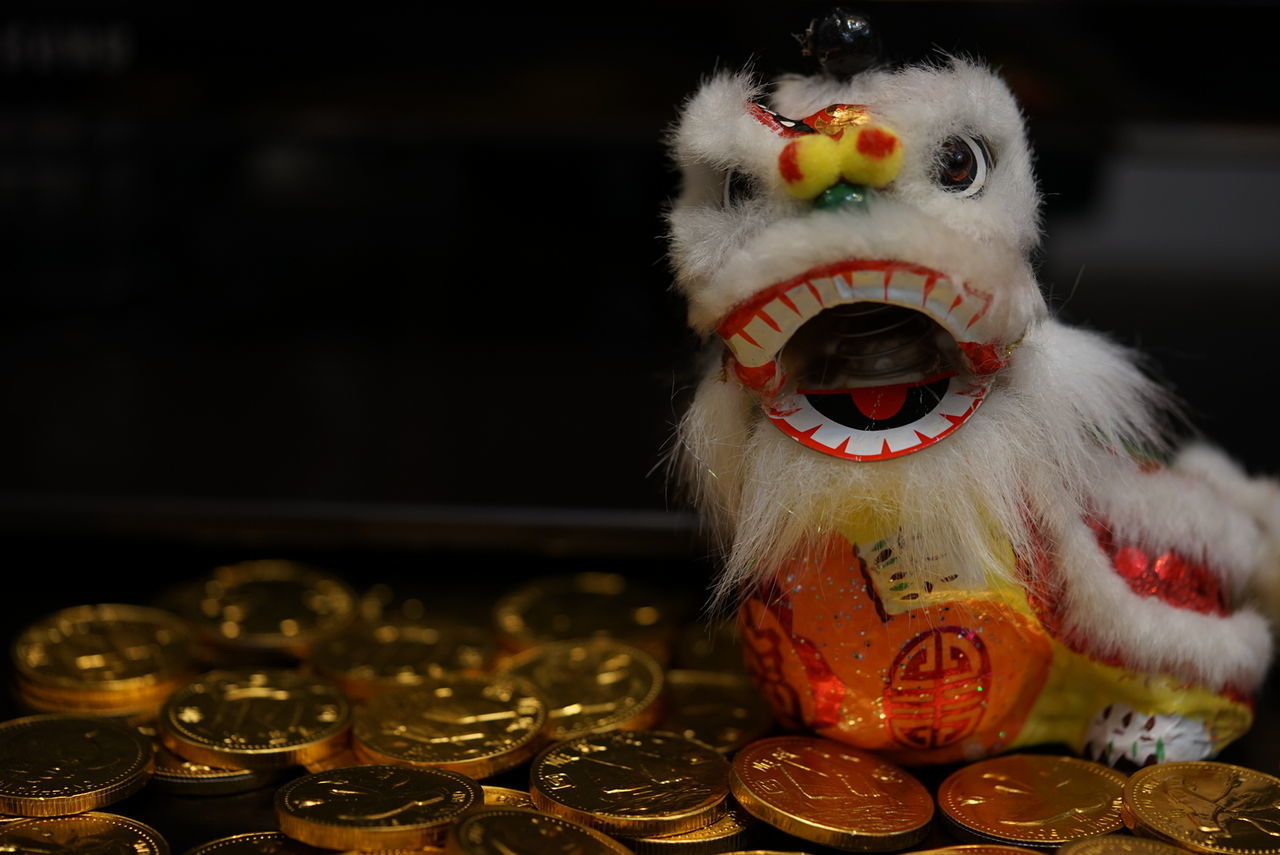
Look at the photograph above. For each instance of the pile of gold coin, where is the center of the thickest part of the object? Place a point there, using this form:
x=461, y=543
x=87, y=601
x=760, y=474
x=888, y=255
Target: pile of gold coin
x=582, y=716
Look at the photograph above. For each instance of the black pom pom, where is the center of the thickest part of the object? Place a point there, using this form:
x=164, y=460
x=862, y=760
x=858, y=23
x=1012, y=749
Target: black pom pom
x=843, y=42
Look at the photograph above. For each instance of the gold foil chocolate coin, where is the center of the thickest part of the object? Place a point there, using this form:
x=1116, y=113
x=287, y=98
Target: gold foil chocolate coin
x=1206, y=806
x=978, y=849
x=255, y=719
x=592, y=685
x=183, y=777
x=257, y=843
x=632, y=783
x=507, y=830
x=506, y=797
x=478, y=726
x=370, y=657
x=83, y=834
x=106, y=656
x=269, y=606
x=725, y=711
x=584, y=605
x=54, y=765
x=1035, y=800
x=728, y=831
x=374, y=807
x=833, y=794
x=1119, y=844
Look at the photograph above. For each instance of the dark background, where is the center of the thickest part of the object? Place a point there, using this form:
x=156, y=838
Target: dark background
x=385, y=287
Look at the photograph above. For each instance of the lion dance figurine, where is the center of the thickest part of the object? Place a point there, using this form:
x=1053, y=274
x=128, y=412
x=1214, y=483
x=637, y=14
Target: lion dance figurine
x=952, y=525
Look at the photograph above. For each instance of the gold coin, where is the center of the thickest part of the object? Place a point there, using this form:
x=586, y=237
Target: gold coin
x=583, y=605
x=106, y=654
x=632, y=783
x=54, y=765
x=506, y=797
x=369, y=657
x=508, y=830
x=85, y=833
x=183, y=777
x=592, y=685
x=836, y=795
x=257, y=843
x=978, y=849
x=272, y=606
x=1036, y=800
x=478, y=726
x=255, y=719
x=725, y=711
x=728, y=831
x=374, y=807
x=1119, y=844
x=1207, y=807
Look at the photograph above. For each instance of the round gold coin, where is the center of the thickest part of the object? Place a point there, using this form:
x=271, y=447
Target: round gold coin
x=725, y=711
x=978, y=849
x=631, y=783
x=506, y=797
x=507, y=830
x=107, y=656
x=183, y=777
x=478, y=726
x=1206, y=806
x=374, y=807
x=257, y=843
x=343, y=758
x=1119, y=844
x=592, y=685
x=584, y=605
x=269, y=606
x=833, y=794
x=255, y=719
x=86, y=833
x=55, y=765
x=369, y=657
x=728, y=831
x=1035, y=800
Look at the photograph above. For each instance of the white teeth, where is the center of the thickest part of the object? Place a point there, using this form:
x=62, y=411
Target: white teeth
x=907, y=284
x=748, y=355
x=767, y=337
x=861, y=285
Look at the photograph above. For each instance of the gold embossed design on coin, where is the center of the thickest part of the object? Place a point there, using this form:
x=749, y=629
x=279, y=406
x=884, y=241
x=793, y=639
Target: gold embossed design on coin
x=507, y=830
x=1207, y=806
x=84, y=834
x=825, y=792
x=369, y=657
x=725, y=711
x=1033, y=799
x=583, y=605
x=53, y=765
x=633, y=783
x=104, y=655
x=374, y=807
x=1119, y=844
x=255, y=719
x=478, y=726
x=272, y=606
x=592, y=685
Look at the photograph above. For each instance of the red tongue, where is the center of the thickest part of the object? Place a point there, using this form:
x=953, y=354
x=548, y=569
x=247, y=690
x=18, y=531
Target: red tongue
x=879, y=402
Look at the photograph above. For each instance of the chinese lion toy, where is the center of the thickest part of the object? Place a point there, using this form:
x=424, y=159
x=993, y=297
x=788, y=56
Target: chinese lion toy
x=952, y=525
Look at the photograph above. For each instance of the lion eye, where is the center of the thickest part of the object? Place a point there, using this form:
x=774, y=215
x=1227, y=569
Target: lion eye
x=963, y=164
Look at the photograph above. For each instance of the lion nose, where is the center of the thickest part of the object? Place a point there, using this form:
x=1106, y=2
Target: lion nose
x=835, y=171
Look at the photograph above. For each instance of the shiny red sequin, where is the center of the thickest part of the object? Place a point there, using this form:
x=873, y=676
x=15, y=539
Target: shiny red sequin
x=1168, y=576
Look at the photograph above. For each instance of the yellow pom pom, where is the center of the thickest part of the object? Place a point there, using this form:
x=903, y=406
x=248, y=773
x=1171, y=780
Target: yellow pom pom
x=871, y=155
x=809, y=164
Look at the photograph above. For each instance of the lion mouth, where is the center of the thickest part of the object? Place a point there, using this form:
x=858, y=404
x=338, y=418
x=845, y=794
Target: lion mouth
x=864, y=360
